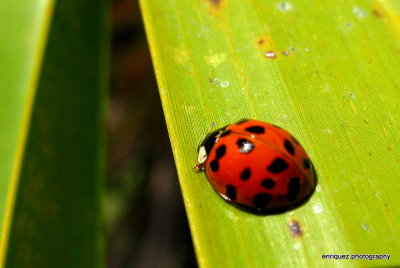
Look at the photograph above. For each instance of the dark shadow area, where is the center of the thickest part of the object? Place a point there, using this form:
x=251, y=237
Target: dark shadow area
x=146, y=220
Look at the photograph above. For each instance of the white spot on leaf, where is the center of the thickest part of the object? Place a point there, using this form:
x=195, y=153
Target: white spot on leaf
x=318, y=208
x=224, y=83
x=359, y=12
x=297, y=246
x=215, y=60
x=365, y=227
x=270, y=54
x=284, y=6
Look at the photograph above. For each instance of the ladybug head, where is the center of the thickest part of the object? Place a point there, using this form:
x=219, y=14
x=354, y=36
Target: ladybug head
x=207, y=144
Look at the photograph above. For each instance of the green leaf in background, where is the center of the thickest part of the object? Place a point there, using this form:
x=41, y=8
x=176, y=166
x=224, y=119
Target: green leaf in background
x=56, y=221
x=327, y=71
x=23, y=29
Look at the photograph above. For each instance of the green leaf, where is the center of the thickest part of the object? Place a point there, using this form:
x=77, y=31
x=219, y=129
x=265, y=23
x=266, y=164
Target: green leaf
x=53, y=185
x=327, y=72
x=23, y=28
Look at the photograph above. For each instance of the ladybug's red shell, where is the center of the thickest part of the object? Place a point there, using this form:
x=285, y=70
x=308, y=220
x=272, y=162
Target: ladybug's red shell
x=258, y=166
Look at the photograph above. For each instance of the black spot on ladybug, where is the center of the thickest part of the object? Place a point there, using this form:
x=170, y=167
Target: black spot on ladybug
x=294, y=189
x=220, y=151
x=245, y=175
x=295, y=140
x=261, y=200
x=245, y=146
x=231, y=192
x=214, y=165
x=306, y=163
x=241, y=121
x=268, y=183
x=295, y=229
x=289, y=147
x=226, y=132
x=255, y=129
x=277, y=166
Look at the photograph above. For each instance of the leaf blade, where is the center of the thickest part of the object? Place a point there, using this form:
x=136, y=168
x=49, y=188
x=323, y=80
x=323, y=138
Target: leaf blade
x=328, y=83
x=21, y=55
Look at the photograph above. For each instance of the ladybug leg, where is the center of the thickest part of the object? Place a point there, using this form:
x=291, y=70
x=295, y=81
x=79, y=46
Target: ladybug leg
x=199, y=167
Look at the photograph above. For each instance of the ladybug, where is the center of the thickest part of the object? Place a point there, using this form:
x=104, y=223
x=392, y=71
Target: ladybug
x=257, y=166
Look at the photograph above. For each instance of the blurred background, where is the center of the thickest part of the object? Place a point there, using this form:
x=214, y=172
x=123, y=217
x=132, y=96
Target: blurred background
x=146, y=220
